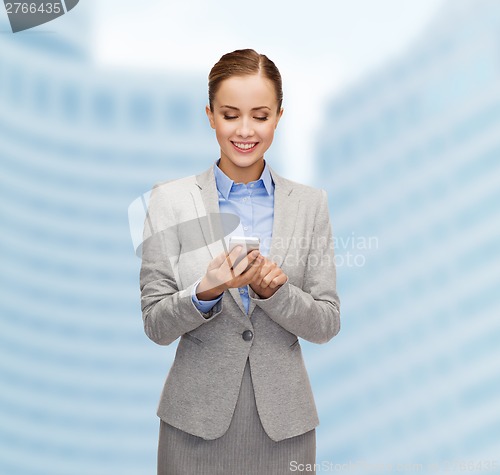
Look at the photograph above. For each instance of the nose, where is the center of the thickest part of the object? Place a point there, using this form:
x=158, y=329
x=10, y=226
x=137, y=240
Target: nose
x=244, y=129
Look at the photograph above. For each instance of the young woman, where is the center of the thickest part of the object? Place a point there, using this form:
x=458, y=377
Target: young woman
x=237, y=399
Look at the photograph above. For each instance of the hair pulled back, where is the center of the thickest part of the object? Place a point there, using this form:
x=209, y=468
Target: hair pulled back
x=243, y=62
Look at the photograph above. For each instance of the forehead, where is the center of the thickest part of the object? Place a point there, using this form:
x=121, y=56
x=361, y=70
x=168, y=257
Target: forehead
x=249, y=91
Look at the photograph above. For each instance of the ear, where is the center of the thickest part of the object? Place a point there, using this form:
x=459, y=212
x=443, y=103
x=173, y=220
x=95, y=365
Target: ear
x=278, y=117
x=210, y=116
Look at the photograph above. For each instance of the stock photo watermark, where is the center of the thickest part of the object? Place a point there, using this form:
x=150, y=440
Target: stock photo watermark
x=345, y=251
x=365, y=467
x=29, y=14
x=351, y=251
x=158, y=233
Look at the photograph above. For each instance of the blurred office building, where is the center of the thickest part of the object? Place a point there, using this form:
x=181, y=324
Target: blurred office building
x=410, y=157
x=80, y=381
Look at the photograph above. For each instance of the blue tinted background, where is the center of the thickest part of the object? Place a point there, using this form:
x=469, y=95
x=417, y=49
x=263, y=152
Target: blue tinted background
x=410, y=157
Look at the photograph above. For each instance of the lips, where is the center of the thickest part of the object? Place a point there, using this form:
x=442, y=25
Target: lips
x=244, y=146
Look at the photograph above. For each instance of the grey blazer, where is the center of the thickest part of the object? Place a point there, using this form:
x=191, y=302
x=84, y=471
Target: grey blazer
x=202, y=386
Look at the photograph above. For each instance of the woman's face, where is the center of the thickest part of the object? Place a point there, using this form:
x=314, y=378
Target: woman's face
x=244, y=120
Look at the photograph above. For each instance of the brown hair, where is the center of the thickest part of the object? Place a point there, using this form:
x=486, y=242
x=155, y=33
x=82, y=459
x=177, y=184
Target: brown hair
x=243, y=62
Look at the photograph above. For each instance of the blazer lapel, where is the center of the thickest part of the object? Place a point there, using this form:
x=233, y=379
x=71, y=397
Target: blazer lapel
x=286, y=207
x=206, y=200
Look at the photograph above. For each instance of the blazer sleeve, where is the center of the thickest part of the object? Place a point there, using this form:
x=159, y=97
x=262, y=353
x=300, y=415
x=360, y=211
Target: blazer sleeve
x=311, y=312
x=203, y=306
x=167, y=312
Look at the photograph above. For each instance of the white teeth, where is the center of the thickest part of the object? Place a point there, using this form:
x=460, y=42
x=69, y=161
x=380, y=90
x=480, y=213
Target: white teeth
x=244, y=146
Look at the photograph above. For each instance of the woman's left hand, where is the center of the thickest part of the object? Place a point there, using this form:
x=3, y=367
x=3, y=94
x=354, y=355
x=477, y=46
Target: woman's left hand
x=268, y=279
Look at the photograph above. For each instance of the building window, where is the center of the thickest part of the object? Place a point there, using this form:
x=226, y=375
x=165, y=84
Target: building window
x=141, y=111
x=16, y=86
x=41, y=95
x=103, y=107
x=70, y=102
x=178, y=114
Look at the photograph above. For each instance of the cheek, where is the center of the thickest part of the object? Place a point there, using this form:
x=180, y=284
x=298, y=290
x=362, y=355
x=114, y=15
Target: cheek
x=267, y=133
x=223, y=129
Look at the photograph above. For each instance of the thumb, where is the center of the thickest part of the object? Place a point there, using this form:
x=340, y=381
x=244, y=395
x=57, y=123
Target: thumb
x=217, y=261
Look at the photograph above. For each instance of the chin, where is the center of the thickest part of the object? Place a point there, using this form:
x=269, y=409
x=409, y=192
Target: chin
x=246, y=163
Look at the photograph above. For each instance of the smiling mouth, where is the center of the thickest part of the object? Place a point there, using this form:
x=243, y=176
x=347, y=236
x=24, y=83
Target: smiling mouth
x=245, y=145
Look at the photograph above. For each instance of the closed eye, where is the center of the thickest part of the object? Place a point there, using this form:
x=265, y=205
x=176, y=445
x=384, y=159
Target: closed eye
x=227, y=117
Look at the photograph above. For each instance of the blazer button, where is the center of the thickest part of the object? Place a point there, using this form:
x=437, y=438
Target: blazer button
x=247, y=335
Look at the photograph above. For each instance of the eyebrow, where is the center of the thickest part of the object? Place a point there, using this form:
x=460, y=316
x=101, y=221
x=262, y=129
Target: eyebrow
x=253, y=108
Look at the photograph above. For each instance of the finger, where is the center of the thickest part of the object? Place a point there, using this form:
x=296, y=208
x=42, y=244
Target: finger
x=277, y=281
x=257, y=275
x=248, y=276
x=227, y=263
x=268, y=278
x=257, y=259
x=234, y=254
x=220, y=259
x=245, y=262
x=217, y=261
x=256, y=266
x=265, y=268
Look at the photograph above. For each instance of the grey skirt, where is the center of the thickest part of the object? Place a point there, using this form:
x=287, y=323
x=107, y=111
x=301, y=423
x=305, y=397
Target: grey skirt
x=245, y=448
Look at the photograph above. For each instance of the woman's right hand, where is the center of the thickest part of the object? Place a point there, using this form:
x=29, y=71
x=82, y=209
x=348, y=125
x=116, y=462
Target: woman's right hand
x=221, y=275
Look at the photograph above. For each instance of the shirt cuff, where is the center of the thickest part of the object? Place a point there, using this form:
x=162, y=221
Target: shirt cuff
x=203, y=306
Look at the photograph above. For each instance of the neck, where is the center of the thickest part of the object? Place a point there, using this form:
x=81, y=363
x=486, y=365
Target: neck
x=242, y=174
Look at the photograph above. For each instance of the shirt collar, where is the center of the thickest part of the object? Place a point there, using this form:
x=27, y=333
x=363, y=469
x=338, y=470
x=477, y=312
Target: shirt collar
x=224, y=183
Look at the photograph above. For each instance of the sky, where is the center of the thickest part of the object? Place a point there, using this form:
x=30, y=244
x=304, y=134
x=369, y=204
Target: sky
x=321, y=47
